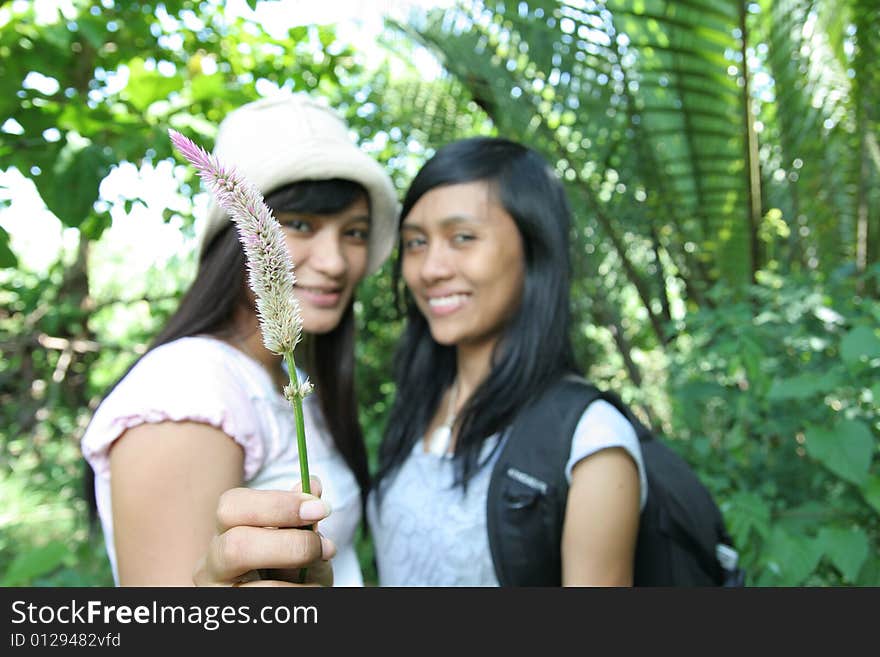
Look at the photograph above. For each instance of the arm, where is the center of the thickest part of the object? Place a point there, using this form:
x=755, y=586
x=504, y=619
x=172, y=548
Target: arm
x=165, y=482
x=179, y=519
x=601, y=521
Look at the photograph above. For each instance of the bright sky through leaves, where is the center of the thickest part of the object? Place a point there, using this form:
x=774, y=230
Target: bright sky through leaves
x=37, y=235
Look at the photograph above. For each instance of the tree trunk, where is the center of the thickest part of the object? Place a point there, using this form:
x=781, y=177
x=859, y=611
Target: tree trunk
x=753, y=209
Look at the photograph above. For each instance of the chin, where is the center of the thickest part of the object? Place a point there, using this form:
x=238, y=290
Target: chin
x=320, y=325
x=445, y=338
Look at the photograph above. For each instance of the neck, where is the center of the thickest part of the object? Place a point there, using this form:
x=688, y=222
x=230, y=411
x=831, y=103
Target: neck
x=473, y=364
x=249, y=340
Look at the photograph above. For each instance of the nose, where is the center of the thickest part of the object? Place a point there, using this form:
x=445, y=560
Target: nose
x=436, y=265
x=326, y=255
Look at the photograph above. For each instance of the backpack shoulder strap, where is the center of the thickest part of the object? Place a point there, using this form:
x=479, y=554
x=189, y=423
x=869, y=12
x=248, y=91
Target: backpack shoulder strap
x=528, y=489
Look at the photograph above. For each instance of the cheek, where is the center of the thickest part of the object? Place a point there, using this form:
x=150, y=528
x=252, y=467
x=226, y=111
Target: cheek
x=295, y=249
x=510, y=279
x=409, y=270
x=356, y=257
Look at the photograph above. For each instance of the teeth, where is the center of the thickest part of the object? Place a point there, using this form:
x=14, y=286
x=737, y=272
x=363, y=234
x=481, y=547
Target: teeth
x=446, y=302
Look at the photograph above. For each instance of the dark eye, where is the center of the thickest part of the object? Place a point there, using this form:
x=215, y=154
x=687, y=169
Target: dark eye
x=414, y=243
x=360, y=234
x=297, y=225
x=461, y=238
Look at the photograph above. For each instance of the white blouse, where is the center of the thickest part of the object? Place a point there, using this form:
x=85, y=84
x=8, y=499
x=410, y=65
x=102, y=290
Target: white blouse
x=202, y=379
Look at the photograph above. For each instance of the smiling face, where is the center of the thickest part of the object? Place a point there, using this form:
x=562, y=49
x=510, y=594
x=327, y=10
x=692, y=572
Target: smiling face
x=463, y=262
x=329, y=253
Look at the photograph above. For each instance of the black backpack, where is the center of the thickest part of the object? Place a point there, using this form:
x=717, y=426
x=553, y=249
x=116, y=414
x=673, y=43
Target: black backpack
x=682, y=540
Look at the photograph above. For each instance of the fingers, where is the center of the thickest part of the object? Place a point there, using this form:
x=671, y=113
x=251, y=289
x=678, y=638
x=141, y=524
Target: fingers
x=268, y=508
x=234, y=554
x=320, y=574
x=328, y=551
x=259, y=530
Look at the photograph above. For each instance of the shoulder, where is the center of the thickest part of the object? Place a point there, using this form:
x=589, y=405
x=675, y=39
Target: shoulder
x=197, y=364
x=602, y=426
x=197, y=351
x=602, y=422
x=196, y=379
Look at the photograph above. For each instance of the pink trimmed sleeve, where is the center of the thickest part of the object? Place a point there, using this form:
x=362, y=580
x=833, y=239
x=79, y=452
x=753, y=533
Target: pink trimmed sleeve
x=189, y=380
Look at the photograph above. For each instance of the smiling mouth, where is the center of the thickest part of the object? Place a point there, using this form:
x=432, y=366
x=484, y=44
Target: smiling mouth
x=319, y=290
x=320, y=296
x=447, y=304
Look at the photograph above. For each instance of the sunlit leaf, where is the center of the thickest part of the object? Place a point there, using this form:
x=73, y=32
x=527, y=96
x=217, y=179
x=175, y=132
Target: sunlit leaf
x=147, y=86
x=32, y=564
x=206, y=87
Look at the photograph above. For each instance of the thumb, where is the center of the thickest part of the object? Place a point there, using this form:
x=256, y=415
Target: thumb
x=314, y=482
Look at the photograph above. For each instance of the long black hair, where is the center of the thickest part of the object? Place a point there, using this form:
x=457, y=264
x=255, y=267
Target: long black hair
x=220, y=290
x=534, y=347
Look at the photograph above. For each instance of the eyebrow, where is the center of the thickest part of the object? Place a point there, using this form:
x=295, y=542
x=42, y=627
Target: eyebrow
x=447, y=221
x=322, y=215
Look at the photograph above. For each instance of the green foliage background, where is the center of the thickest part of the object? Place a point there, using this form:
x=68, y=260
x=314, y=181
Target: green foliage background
x=721, y=158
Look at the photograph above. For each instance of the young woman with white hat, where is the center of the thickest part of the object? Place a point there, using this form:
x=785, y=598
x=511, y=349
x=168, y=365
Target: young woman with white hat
x=199, y=428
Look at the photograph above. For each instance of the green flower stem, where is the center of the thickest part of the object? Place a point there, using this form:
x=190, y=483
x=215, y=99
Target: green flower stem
x=300, y=425
x=300, y=436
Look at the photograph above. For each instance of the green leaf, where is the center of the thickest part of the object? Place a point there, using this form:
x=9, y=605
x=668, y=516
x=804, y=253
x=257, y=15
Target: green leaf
x=93, y=29
x=95, y=225
x=859, y=343
x=745, y=512
x=207, y=87
x=846, y=449
x=804, y=518
x=736, y=438
x=870, y=575
x=29, y=565
x=146, y=87
x=73, y=189
x=792, y=557
x=871, y=492
x=801, y=387
x=847, y=549
x=7, y=257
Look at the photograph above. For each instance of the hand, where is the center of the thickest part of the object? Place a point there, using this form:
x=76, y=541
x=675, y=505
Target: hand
x=269, y=531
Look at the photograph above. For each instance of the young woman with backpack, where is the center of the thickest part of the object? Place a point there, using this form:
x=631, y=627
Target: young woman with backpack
x=485, y=257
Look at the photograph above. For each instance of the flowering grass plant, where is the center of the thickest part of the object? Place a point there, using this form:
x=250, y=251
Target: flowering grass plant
x=270, y=271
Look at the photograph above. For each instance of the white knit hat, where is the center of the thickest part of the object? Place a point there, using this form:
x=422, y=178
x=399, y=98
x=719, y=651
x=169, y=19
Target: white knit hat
x=290, y=137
